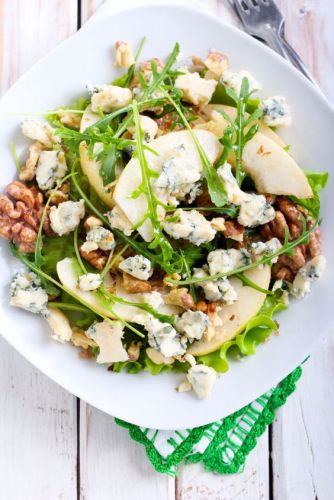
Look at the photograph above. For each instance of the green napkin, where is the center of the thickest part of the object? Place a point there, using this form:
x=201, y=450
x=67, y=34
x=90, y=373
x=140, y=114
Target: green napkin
x=221, y=446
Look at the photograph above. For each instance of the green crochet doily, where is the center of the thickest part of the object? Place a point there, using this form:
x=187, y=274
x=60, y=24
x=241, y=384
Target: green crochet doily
x=221, y=446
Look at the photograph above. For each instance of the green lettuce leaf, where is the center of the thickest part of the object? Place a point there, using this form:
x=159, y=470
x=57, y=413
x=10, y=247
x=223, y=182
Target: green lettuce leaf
x=318, y=181
x=257, y=330
x=54, y=250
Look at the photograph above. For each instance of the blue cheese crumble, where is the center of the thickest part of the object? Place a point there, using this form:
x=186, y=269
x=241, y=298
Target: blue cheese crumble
x=51, y=167
x=233, y=80
x=178, y=179
x=309, y=273
x=164, y=338
x=103, y=238
x=66, y=216
x=89, y=282
x=26, y=292
x=41, y=132
x=138, y=266
x=224, y=261
x=202, y=379
x=261, y=248
x=108, y=97
x=192, y=324
x=118, y=220
x=195, y=90
x=216, y=290
x=276, y=112
x=191, y=225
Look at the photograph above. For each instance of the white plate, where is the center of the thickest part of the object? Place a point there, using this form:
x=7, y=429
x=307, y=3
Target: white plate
x=59, y=78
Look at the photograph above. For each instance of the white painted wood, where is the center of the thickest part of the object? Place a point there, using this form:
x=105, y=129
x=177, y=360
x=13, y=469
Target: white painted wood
x=303, y=435
x=37, y=433
x=194, y=483
x=37, y=418
x=112, y=466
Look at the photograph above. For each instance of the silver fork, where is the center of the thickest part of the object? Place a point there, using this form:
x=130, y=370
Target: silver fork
x=263, y=19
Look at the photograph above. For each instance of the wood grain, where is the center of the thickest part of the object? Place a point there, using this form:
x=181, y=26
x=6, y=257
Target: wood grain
x=37, y=418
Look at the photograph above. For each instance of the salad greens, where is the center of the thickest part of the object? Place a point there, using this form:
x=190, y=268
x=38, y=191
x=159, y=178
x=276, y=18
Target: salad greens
x=202, y=221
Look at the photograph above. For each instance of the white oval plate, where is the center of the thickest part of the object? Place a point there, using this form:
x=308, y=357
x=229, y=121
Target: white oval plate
x=59, y=78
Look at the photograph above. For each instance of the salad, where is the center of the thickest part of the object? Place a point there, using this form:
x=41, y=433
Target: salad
x=161, y=220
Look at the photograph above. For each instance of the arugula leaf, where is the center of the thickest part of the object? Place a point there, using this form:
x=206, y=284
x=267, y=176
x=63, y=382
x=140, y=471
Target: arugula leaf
x=317, y=181
x=216, y=187
x=241, y=130
x=221, y=96
x=79, y=104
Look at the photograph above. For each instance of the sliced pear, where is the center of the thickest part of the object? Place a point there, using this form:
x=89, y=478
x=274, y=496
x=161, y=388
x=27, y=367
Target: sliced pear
x=232, y=112
x=235, y=317
x=273, y=170
x=68, y=278
x=90, y=166
x=130, y=179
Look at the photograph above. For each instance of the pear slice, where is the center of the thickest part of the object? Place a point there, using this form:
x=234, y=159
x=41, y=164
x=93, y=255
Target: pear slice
x=273, y=170
x=235, y=317
x=68, y=278
x=90, y=166
x=130, y=179
x=232, y=112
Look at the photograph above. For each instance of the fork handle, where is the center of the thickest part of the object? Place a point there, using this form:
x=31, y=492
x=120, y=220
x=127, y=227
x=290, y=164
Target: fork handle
x=274, y=41
x=296, y=60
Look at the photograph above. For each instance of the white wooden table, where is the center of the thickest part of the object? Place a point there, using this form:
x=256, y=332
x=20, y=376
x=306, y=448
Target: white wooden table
x=55, y=446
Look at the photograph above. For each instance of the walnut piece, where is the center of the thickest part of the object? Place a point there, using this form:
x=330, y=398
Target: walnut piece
x=180, y=297
x=133, y=285
x=97, y=258
x=20, y=216
x=28, y=171
x=234, y=230
x=134, y=350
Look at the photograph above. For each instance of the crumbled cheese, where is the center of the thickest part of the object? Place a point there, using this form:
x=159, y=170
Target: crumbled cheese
x=195, y=89
x=202, y=379
x=118, y=220
x=234, y=193
x=216, y=290
x=191, y=225
x=178, y=178
x=309, y=273
x=124, y=55
x=255, y=211
x=59, y=324
x=234, y=79
x=51, y=167
x=192, y=324
x=103, y=238
x=66, y=216
x=138, y=266
x=148, y=126
x=41, y=132
x=260, y=248
x=217, y=63
x=276, y=112
x=224, y=261
x=89, y=282
x=164, y=338
x=26, y=291
x=109, y=97
x=108, y=336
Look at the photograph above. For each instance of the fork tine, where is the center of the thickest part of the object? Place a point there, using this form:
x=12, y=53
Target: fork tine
x=241, y=7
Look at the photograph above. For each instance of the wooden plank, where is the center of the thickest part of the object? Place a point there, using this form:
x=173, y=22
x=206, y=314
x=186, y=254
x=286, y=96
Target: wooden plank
x=37, y=433
x=38, y=418
x=196, y=483
x=114, y=466
x=88, y=7
x=303, y=435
